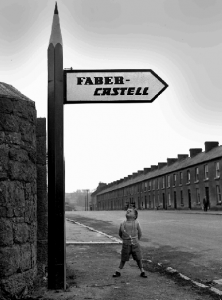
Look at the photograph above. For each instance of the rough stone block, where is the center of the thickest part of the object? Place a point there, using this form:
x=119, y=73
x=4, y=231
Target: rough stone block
x=25, y=257
x=34, y=255
x=21, y=233
x=41, y=127
x=30, y=212
x=4, y=159
x=6, y=105
x=18, y=155
x=42, y=256
x=22, y=171
x=41, y=150
x=13, y=138
x=10, y=212
x=15, y=284
x=6, y=232
x=41, y=178
x=42, y=204
x=3, y=213
x=9, y=122
x=2, y=137
x=28, y=131
x=34, y=187
x=32, y=156
x=13, y=194
x=33, y=232
x=43, y=227
x=3, y=193
x=9, y=260
x=24, y=110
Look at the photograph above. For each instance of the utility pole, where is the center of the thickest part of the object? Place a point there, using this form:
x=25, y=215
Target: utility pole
x=56, y=166
x=87, y=201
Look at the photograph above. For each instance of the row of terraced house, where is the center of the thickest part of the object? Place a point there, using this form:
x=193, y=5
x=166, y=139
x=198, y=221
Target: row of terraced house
x=179, y=183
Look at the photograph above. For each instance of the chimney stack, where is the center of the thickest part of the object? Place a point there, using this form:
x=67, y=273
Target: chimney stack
x=170, y=161
x=139, y=172
x=146, y=170
x=210, y=145
x=195, y=151
x=182, y=156
x=161, y=165
x=153, y=167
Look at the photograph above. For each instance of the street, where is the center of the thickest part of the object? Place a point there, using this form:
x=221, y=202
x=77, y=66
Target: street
x=188, y=242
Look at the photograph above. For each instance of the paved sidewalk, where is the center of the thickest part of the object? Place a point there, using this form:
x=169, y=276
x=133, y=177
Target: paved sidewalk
x=90, y=266
x=77, y=233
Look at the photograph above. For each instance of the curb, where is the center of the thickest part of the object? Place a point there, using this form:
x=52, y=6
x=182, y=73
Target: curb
x=170, y=270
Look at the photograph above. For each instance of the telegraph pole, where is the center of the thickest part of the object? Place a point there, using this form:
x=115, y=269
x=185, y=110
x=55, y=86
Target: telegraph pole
x=56, y=172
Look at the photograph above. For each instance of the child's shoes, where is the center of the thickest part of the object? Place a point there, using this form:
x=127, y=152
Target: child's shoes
x=117, y=274
x=143, y=275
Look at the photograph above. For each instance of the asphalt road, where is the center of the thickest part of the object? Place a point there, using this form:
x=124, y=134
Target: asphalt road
x=190, y=243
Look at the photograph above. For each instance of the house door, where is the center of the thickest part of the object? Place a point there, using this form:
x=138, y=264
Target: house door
x=175, y=199
x=189, y=199
x=164, y=202
x=207, y=195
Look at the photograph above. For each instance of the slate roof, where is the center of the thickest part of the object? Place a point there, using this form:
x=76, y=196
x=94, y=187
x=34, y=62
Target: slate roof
x=178, y=165
x=8, y=91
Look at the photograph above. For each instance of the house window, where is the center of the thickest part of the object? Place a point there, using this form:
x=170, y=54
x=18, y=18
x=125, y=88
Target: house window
x=188, y=176
x=197, y=174
x=138, y=188
x=174, y=179
x=158, y=183
x=181, y=177
x=168, y=180
x=217, y=169
x=205, y=171
x=198, y=196
x=154, y=184
x=181, y=197
x=218, y=194
x=145, y=186
x=149, y=185
x=163, y=182
x=169, y=199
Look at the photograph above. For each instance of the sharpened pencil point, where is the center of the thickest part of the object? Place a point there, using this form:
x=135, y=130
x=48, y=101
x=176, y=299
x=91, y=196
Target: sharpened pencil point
x=56, y=10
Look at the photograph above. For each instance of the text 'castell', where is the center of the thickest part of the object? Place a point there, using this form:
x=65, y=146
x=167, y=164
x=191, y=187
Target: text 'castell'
x=109, y=80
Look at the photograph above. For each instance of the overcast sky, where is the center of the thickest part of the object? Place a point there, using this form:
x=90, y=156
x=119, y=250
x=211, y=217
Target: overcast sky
x=180, y=40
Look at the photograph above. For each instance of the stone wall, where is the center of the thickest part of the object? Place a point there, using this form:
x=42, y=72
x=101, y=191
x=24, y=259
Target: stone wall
x=18, y=193
x=42, y=203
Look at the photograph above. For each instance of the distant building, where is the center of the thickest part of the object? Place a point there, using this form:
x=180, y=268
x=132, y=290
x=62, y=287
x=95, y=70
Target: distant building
x=179, y=183
x=93, y=202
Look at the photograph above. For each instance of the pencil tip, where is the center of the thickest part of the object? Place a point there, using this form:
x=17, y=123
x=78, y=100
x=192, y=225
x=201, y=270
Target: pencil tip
x=56, y=10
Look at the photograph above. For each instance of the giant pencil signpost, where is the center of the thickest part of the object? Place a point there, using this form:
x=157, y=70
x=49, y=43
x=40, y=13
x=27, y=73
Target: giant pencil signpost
x=79, y=86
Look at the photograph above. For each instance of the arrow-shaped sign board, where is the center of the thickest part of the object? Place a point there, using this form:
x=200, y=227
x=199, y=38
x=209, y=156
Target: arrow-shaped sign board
x=112, y=86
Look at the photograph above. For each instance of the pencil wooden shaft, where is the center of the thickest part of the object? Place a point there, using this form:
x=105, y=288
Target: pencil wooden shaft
x=56, y=174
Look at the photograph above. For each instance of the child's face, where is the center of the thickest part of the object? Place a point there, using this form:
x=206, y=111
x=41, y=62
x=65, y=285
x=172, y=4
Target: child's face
x=130, y=213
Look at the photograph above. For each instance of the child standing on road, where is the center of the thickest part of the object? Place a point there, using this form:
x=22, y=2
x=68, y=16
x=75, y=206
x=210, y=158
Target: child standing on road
x=130, y=232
